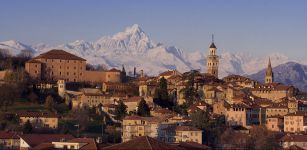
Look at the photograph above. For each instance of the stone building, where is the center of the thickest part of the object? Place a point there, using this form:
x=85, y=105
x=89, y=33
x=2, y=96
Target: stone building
x=9, y=140
x=135, y=126
x=188, y=134
x=39, y=119
x=294, y=141
x=295, y=122
x=275, y=123
x=240, y=81
x=59, y=64
x=277, y=109
x=271, y=90
x=274, y=91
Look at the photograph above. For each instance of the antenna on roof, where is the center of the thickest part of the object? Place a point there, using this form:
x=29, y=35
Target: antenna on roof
x=212, y=38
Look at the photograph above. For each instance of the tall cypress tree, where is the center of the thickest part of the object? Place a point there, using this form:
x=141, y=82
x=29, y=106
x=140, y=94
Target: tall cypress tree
x=120, y=111
x=143, y=109
x=189, y=91
x=161, y=94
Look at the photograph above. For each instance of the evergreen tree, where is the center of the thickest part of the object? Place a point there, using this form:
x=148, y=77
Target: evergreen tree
x=143, y=109
x=189, y=91
x=27, y=127
x=120, y=111
x=134, y=72
x=161, y=94
x=49, y=103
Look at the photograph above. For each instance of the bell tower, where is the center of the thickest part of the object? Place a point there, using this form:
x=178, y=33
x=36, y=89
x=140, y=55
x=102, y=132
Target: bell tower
x=212, y=60
x=61, y=88
x=269, y=75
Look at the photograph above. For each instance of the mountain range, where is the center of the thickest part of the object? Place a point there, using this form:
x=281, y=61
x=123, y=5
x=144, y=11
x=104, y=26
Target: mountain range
x=134, y=48
x=290, y=73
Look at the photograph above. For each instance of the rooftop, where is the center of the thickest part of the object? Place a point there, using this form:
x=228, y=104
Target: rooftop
x=37, y=114
x=145, y=143
x=186, y=128
x=58, y=54
x=36, y=139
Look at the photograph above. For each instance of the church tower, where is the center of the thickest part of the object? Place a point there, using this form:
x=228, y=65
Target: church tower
x=212, y=60
x=269, y=75
x=61, y=88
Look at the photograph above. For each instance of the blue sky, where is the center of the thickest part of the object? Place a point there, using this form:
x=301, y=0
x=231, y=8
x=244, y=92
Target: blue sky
x=259, y=27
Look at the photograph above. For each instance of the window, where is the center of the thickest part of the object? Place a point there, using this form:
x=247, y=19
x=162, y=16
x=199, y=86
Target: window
x=67, y=73
x=60, y=73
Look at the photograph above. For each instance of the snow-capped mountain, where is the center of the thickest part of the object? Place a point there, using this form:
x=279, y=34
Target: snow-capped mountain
x=134, y=48
x=290, y=73
x=14, y=47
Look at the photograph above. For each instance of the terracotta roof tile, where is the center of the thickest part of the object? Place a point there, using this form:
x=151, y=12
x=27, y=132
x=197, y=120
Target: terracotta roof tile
x=36, y=139
x=34, y=61
x=8, y=135
x=91, y=144
x=59, y=54
x=143, y=143
x=193, y=146
x=186, y=128
x=299, y=113
x=294, y=138
x=133, y=118
x=37, y=114
x=114, y=70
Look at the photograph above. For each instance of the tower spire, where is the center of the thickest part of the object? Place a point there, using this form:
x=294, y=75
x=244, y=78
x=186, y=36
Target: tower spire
x=212, y=59
x=269, y=65
x=212, y=42
x=269, y=75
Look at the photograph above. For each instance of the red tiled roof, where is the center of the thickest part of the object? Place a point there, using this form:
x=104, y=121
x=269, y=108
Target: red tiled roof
x=37, y=114
x=162, y=111
x=143, y=143
x=114, y=70
x=8, y=135
x=44, y=146
x=91, y=144
x=133, y=118
x=36, y=139
x=193, y=146
x=299, y=113
x=186, y=128
x=167, y=73
x=59, y=54
x=294, y=138
x=33, y=61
